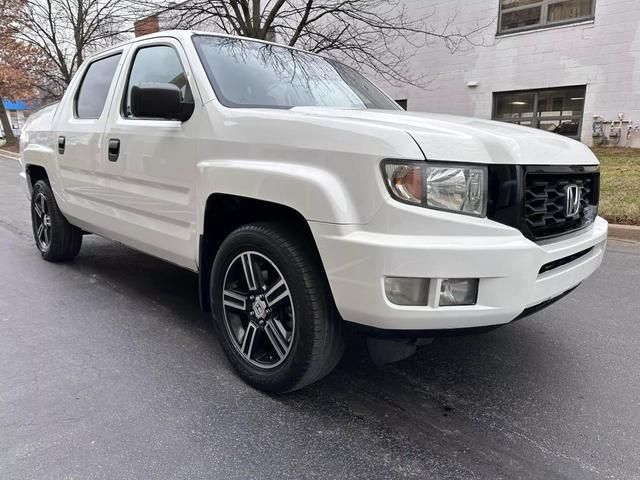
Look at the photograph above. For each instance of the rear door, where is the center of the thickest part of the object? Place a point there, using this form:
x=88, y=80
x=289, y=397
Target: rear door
x=81, y=124
x=150, y=181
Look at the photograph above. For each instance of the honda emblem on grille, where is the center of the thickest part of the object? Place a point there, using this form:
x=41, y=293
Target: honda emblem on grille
x=573, y=194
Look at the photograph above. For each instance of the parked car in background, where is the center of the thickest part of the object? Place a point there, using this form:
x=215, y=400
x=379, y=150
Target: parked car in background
x=307, y=201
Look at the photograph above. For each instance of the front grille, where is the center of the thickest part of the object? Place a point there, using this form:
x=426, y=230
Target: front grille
x=545, y=203
x=533, y=198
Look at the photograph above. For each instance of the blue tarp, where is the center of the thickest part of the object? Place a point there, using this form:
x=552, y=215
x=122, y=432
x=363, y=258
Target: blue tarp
x=17, y=105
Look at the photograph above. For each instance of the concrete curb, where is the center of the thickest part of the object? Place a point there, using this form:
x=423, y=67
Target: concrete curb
x=10, y=155
x=624, y=232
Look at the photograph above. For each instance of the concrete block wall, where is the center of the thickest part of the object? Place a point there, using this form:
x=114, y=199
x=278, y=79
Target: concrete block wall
x=603, y=54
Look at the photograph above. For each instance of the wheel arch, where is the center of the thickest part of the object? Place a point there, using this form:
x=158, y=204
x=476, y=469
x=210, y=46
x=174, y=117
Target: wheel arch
x=34, y=173
x=224, y=213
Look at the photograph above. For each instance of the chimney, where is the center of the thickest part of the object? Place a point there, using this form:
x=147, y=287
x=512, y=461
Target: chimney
x=146, y=26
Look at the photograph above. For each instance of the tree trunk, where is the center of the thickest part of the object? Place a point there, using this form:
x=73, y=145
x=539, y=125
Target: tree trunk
x=6, y=126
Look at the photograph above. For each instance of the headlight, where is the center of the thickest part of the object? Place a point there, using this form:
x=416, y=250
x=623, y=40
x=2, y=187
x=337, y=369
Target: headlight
x=451, y=187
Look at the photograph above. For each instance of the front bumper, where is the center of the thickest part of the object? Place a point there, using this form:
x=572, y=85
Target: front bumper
x=436, y=245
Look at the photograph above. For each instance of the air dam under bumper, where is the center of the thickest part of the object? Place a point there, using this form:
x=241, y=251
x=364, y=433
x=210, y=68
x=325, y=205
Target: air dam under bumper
x=357, y=258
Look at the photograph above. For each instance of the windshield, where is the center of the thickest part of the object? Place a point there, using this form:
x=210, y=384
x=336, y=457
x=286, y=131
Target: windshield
x=247, y=73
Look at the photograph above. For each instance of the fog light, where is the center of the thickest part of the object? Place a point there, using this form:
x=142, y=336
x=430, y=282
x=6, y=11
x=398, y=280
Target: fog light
x=458, y=291
x=407, y=291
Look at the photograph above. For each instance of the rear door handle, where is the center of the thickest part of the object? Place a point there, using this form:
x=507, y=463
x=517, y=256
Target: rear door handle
x=114, y=149
x=62, y=143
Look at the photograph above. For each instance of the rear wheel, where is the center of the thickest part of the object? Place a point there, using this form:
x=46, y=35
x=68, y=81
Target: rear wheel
x=273, y=309
x=55, y=237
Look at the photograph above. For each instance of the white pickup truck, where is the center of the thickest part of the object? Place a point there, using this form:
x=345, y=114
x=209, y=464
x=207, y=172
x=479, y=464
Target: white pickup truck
x=307, y=200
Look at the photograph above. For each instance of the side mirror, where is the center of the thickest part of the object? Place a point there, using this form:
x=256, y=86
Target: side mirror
x=159, y=100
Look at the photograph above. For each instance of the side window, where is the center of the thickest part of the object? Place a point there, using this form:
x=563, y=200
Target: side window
x=94, y=89
x=157, y=64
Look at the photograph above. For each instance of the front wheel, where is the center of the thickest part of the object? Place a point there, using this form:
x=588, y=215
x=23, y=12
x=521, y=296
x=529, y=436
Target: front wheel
x=273, y=309
x=55, y=237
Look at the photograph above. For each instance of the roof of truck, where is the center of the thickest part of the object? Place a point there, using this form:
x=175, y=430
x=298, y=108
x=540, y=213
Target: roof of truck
x=186, y=35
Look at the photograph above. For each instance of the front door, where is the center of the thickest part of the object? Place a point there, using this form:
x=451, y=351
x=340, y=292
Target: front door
x=150, y=164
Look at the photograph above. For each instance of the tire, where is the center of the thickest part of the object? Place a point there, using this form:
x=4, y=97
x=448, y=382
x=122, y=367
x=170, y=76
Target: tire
x=278, y=338
x=56, y=239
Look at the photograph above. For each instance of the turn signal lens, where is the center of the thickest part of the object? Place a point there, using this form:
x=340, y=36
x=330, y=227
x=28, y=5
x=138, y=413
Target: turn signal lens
x=405, y=181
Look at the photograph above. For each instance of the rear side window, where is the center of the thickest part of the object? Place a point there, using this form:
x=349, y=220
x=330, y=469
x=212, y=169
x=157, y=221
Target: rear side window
x=157, y=64
x=94, y=89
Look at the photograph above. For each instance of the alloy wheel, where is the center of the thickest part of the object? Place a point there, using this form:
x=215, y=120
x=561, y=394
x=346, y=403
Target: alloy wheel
x=258, y=310
x=42, y=220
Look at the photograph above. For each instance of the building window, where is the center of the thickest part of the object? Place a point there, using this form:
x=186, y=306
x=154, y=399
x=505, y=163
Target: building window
x=519, y=15
x=558, y=110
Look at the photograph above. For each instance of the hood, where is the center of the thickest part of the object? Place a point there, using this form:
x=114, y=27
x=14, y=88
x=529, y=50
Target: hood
x=465, y=139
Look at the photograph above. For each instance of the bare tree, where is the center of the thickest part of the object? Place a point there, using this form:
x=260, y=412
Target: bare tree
x=379, y=35
x=65, y=31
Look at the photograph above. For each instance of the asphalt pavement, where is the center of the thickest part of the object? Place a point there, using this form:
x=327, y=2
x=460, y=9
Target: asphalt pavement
x=108, y=370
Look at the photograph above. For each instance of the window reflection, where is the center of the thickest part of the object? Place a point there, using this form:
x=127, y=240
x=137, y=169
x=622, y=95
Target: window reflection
x=558, y=110
x=247, y=73
x=518, y=15
x=157, y=64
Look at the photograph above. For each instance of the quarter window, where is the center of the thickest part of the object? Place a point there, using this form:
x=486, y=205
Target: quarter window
x=518, y=15
x=157, y=64
x=558, y=110
x=94, y=89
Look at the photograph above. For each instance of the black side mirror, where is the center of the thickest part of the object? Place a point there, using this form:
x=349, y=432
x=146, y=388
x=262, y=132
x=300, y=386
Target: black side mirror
x=159, y=100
